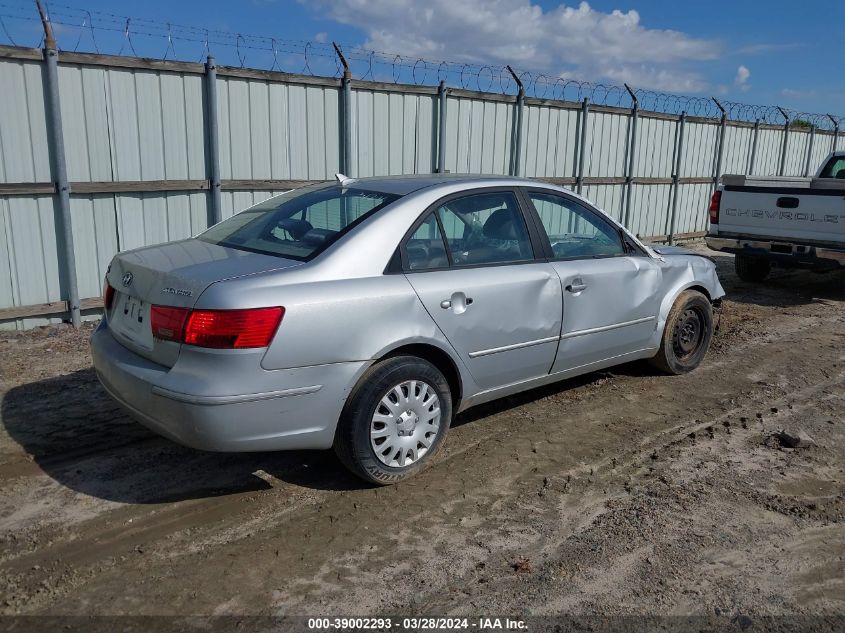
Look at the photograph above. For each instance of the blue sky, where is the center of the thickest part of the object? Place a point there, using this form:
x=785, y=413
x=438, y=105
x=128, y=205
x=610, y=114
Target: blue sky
x=780, y=52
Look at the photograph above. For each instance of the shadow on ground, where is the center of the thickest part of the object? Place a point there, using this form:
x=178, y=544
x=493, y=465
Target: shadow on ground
x=782, y=287
x=73, y=430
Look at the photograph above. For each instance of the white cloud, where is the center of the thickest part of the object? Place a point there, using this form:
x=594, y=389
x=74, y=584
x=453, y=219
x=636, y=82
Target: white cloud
x=741, y=79
x=766, y=48
x=321, y=37
x=576, y=41
x=798, y=94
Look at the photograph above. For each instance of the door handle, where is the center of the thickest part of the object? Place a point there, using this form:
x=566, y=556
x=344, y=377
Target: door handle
x=458, y=303
x=576, y=286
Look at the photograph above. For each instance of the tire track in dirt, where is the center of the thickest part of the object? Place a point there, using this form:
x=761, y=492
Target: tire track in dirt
x=299, y=533
x=506, y=487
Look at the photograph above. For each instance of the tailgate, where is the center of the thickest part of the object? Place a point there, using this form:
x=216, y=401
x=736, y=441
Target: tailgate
x=796, y=214
x=173, y=274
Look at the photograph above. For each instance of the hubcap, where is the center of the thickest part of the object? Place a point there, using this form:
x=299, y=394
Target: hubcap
x=405, y=423
x=688, y=334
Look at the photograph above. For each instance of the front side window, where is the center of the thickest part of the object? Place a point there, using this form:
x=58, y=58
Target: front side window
x=485, y=228
x=299, y=224
x=574, y=230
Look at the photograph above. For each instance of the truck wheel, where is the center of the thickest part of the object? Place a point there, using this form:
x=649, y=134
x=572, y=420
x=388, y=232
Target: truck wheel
x=394, y=420
x=752, y=269
x=687, y=334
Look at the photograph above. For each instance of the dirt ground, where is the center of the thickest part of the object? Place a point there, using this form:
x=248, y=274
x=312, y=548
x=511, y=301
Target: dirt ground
x=623, y=492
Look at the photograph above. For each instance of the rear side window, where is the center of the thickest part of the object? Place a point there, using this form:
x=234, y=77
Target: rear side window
x=835, y=168
x=300, y=224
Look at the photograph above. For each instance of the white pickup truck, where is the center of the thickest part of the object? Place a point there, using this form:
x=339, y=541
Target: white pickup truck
x=786, y=222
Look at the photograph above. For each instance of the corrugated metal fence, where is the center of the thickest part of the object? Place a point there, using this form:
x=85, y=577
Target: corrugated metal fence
x=140, y=164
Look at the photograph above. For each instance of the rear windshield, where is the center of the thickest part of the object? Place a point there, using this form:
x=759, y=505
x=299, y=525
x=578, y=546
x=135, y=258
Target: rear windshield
x=835, y=168
x=299, y=224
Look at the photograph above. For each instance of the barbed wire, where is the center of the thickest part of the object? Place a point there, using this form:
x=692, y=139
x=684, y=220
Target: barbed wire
x=79, y=30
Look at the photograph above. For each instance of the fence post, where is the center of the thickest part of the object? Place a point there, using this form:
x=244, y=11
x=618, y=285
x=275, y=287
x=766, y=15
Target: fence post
x=54, y=115
x=720, y=150
x=782, y=166
x=213, y=140
x=835, y=133
x=679, y=149
x=441, y=128
x=753, y=155
x=809, y=151
x=582, y=142
x=632, y=148
x=346, y=114
x=347, y=124
x=516, y=145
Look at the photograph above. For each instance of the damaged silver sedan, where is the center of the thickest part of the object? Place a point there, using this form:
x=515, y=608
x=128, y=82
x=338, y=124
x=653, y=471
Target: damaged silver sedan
x=364, y=314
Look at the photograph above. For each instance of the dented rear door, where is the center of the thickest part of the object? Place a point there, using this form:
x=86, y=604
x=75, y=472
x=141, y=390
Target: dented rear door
x=504, y=321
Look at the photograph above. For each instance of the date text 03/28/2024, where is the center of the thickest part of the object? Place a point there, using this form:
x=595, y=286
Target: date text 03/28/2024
x=417, y=624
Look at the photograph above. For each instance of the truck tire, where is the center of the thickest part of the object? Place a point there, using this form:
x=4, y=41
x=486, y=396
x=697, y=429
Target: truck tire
x=752, y=269
x=686, y=335
x=394, y=421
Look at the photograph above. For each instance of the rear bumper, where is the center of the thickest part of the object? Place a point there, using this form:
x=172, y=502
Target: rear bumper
x=779, y=250
x=227, y=410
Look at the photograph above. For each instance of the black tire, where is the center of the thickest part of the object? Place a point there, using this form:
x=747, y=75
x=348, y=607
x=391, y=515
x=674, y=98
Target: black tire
x=752, y=269
x=352, y=440
x=687, y=334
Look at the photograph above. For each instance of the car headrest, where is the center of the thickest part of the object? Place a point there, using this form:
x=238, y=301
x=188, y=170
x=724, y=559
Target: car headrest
x=318, y=237
x=841, y=173
x=500, y=226
x=296, y=228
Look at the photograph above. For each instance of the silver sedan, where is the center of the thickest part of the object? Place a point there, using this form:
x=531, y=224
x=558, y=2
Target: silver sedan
x=364, y=314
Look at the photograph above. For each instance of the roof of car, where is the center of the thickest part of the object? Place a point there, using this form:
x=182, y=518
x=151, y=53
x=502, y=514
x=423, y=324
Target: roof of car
x=403, y=185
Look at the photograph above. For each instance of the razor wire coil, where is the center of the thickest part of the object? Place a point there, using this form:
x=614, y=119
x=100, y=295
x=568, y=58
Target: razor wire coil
x=102, y=31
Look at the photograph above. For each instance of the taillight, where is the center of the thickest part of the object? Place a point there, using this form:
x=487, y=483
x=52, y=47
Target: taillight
x=233, y=329
x=715, y=202
x=168, y=323
x=223, y=329
x=108, y=294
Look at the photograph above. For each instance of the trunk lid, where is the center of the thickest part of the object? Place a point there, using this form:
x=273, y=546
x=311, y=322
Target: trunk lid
x=173, y=274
